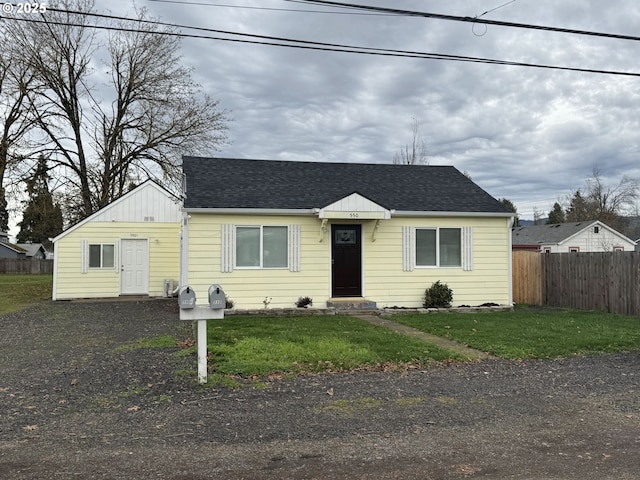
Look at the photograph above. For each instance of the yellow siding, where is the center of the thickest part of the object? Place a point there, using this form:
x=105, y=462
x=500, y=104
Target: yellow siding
x=249, y=287
x=384, y=280
x=388, y=285
x=164, y=258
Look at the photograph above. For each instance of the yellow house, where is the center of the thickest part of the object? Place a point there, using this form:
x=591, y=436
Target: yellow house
x=129, y=247
x=271, y=231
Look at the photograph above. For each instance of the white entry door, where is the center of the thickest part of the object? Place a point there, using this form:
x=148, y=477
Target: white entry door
x=134, y=270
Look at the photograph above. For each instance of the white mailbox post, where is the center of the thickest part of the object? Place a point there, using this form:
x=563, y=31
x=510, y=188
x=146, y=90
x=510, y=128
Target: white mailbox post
x=190, y=310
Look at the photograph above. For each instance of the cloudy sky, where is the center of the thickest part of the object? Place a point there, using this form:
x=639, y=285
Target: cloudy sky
x=529, y=134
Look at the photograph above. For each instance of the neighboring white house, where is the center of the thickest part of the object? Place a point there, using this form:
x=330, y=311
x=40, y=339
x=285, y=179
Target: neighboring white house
x=587, y=236
x=129, y=247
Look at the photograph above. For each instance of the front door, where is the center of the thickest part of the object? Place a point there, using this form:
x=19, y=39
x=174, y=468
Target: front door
x=346, y=261
x=134, y=270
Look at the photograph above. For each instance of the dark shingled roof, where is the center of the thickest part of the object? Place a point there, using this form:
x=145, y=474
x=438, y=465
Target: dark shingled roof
x=275, y=184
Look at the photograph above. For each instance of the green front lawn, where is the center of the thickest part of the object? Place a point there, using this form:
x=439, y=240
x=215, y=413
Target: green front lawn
x=532, y=333
x=18, y=291
x=258, y=346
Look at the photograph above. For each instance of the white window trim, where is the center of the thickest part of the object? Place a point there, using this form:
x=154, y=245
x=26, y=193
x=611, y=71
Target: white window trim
x=86, y=256
x=437, y=265
x=261, y=266
x=409, y=249
x=228, y=248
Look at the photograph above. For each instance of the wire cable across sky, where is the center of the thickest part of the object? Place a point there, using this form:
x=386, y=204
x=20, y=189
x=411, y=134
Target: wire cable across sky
x=247, y=38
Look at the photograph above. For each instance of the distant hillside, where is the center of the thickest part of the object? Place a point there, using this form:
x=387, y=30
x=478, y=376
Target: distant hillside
x=528, y=223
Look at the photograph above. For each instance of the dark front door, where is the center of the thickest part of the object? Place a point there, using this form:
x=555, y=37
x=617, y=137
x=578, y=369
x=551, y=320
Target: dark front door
x=346, y=261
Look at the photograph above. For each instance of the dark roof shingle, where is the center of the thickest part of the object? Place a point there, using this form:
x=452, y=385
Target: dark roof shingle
x=276, y=184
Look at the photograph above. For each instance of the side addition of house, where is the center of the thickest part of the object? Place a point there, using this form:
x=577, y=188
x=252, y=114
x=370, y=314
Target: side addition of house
x=130, y=247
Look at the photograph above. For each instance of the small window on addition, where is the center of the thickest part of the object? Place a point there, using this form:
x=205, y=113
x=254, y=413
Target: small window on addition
x=618, y=249
x=574, y=249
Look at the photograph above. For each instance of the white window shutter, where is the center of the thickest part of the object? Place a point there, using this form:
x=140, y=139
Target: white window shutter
x=117, y=262
x=84, y=256
x=294, y=248
x=226, y=249
x=467, y=248
x=408, y=248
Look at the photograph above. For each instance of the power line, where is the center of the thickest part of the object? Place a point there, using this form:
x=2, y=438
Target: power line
x=306, y=45
x=270, y=9
x=454, y=18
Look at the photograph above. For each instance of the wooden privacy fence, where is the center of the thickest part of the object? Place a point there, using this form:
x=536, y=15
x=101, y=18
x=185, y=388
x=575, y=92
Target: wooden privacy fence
x=26, y=265
x=608, y=281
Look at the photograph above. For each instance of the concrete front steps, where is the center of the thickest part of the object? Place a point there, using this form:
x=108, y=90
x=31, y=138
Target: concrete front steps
x=351, y=304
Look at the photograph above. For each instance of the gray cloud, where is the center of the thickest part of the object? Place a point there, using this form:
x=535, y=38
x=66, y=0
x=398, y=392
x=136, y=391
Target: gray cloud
x=531, y=135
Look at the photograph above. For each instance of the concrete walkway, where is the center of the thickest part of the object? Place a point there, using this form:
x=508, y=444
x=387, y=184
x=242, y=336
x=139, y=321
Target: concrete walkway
x=445, y=343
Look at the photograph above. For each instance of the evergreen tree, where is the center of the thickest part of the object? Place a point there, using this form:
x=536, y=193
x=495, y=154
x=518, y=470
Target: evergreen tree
x=511, y=207
x=556, y=215
x=580, y=209
x=41, y=219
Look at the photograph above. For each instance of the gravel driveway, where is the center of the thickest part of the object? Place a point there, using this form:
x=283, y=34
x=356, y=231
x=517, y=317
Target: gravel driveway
x=73, y=406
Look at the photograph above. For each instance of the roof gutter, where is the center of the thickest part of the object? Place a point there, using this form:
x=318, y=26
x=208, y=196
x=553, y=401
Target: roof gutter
x=315, y=211
x=405, y=213
x=254, y=211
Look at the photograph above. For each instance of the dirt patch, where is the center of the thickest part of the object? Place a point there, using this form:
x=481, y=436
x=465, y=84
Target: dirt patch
x=73, y=405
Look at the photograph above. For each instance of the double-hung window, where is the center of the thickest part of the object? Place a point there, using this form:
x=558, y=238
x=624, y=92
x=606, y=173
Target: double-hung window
x=438, y=247
x=262, y=247
x=101, y=255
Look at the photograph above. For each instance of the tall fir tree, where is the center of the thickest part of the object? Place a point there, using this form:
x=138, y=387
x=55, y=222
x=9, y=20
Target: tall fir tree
x=42, y=218
x=580, y=208
x=556, y=215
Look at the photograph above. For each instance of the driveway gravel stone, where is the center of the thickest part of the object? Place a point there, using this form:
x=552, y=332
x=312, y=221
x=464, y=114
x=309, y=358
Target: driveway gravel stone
x=74, y=405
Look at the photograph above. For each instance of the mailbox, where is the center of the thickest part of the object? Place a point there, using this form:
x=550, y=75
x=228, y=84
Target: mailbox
x=187, y=298
x=217, y=299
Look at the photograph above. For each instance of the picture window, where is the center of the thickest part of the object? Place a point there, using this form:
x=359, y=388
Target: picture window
x=262, y=247
x=438, y=247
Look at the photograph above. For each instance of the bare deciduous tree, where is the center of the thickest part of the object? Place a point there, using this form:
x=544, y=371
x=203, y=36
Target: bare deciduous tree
x=158, y=113
x=16, y=82
x=414, y=154
x=600, y=202
x=103, y=138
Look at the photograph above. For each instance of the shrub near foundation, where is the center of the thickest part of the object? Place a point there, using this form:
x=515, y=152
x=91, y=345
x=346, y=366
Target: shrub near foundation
x=438, y=295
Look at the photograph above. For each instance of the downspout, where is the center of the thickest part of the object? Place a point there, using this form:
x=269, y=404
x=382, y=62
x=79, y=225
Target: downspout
x=510, y=223
x=184, y=239
x=55, y=270
x=184, y=252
